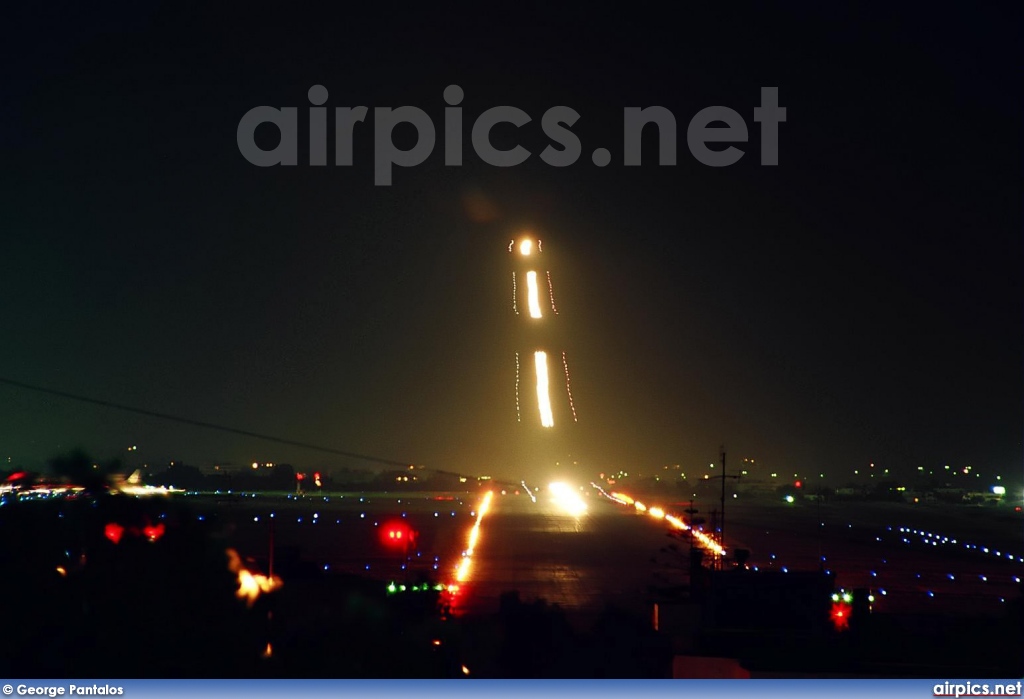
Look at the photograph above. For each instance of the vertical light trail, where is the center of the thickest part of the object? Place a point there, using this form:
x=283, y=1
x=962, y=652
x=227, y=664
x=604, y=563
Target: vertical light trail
x=551, y=293
x=515, y=307
x=568, y=388
x=518, y=417
x=525, y=247
x=532, y=295
x=547, y=419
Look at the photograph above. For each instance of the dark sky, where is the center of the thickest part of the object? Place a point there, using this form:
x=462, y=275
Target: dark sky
x=860, y=302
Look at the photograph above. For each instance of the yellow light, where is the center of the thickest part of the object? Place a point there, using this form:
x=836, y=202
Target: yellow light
x=525, y=247
x=547, y=419
x=463, y=568
x=250, y=585
x=531, y=294
x=656, y=512
x=485, y=504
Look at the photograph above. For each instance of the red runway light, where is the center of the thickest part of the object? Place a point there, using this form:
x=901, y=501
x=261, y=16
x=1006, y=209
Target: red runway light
x=840, y=615
x=397, y=534
x=113, y=531
x=153, y=532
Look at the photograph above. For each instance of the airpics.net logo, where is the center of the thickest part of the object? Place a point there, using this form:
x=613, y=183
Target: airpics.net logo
x=556, y=124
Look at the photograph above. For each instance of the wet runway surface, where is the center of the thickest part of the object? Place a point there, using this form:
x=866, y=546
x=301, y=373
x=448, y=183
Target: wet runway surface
x=579, y=562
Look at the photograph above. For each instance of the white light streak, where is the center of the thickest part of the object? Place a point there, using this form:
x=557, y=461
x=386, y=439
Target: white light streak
x=551, y=293
x=532, y=295
x=568, y=388
x=515, y=306
x=518, y=415
x=528, y=491
x=547, y=419
x=525, y=247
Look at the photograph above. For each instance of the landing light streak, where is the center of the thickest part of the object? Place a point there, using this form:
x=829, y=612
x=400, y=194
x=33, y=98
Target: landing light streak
x=532, y=296
x=525, y=248
x=547, y=418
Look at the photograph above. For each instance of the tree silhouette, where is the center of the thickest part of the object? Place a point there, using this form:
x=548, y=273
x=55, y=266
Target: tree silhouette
x=78, y=468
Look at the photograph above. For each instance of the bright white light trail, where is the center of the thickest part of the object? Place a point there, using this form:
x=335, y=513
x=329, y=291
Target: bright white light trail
x=547, y=419
x=532, y=296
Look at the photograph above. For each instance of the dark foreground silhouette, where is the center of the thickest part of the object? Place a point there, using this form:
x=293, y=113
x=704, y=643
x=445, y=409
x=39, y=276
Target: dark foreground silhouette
x=109, y=586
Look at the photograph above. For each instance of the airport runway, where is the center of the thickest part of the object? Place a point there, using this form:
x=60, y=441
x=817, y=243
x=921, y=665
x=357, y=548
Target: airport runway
x=583, y=559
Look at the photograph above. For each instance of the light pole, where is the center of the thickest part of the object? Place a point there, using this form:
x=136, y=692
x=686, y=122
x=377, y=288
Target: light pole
x=721, y=526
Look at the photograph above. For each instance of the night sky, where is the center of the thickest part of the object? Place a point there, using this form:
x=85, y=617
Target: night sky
x=858, y=303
